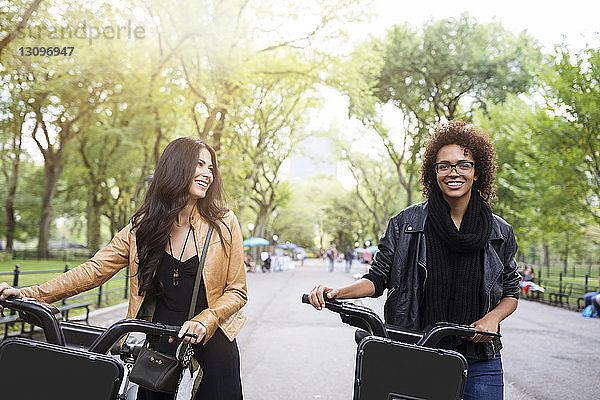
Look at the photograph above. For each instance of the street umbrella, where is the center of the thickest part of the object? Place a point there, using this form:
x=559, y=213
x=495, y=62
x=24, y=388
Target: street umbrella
x=287, y=246
x=255, y=241
x=372, y=249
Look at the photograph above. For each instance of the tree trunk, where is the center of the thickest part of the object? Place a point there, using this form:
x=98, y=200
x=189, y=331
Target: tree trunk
x=159, y=134
x=52, y=170
x=546, y=260
x=12, y=190
x=259, y=229
x=208, y=124
x=218, y=133
x=112, y=222
x=10, y=224
x=93, y=220
x=565, y=266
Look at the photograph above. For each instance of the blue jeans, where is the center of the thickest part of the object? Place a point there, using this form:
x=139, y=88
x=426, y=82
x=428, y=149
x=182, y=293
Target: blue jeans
x=588, y=298
x=485, y=380
x=331, y=261
x=348, y=265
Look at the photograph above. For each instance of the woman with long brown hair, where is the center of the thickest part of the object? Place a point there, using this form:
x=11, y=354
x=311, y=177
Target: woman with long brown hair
x=162, y=246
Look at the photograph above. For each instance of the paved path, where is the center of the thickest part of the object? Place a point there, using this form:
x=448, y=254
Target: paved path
x=552, y=353
x=291, y=351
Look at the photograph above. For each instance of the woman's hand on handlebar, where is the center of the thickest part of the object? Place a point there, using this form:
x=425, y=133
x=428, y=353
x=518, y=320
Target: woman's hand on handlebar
x=316, y=296
x=8, y=291
x=486, y=324
x=355, y=290
x=193, y=327
x=491, y=321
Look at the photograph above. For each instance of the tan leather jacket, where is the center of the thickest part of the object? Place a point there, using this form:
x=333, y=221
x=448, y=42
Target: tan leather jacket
x=224, y=276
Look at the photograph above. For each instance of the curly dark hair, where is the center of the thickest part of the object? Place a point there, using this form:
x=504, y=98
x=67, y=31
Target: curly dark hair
x=476, y=141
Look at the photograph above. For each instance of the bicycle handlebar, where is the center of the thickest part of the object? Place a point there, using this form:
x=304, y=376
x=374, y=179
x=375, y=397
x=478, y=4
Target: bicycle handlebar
x=366, y=319
x=355, y=315
x=37, y=313
x=43, y=315
x=103, y=343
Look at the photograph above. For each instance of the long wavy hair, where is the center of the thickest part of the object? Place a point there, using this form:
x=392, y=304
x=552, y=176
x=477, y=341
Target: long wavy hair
x=167, y=195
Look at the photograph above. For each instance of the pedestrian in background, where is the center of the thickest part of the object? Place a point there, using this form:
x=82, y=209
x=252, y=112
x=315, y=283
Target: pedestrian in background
x=528, y=274
x=331, y=255
x=593, y=298
x=266, y=262
x=469, y=275
x=348, y=256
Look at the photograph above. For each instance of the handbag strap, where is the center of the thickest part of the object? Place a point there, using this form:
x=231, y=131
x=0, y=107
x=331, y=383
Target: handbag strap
x=193, y=304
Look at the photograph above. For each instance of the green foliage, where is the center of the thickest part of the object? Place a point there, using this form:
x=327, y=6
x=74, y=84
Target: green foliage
x=26, y=201
x=342, y=221
x=540, y=191
x=245, y=76
x=296, y=220
x=574, y=94
x=441, y=71
x=376, y=193
x=429, y=71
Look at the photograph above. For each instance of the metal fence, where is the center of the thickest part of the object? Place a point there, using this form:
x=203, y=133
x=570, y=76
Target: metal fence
x=100, y=295
x=562, y=289
x=63, y=254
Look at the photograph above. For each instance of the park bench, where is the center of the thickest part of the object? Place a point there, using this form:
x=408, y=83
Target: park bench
x=64, y=308
x=9, y=319
x=563, y=293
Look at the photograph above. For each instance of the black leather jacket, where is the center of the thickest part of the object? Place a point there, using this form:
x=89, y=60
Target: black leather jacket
x=400, y=265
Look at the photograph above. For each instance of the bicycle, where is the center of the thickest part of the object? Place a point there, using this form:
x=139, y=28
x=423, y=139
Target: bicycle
x=397, y=364
x=33, y=369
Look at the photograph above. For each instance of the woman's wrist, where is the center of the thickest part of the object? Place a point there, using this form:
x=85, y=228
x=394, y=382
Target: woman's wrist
x=360, y=288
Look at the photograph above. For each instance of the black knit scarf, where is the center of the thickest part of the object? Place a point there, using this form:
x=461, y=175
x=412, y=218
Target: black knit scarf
x=475, y=228
x=453, y=289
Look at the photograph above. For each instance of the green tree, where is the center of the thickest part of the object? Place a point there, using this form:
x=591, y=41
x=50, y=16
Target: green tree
x=441, y=71
x=61, y=95
x=14, y=20
x=540, y=191
x=377, y=190
x=296, y=220
x=12, y=130
x=574, y=94
x=273, y=125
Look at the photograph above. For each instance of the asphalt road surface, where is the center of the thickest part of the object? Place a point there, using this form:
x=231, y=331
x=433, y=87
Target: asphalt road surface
x=291, y=351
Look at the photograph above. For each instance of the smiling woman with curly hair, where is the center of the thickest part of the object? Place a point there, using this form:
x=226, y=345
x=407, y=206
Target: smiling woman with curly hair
x=468, y=137
x=449, y=259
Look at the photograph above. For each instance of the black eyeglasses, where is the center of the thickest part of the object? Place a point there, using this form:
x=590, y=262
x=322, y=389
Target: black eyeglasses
x=462, y=167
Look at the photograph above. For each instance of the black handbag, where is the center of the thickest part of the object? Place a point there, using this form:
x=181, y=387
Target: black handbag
x=156, y=371
x=161, y=372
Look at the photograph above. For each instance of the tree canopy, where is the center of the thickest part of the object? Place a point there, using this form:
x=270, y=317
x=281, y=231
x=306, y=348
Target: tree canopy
x=80, y=133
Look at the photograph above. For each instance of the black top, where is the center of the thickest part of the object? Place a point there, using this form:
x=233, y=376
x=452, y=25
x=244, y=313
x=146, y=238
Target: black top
x=173, y=302
x=219, y=357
